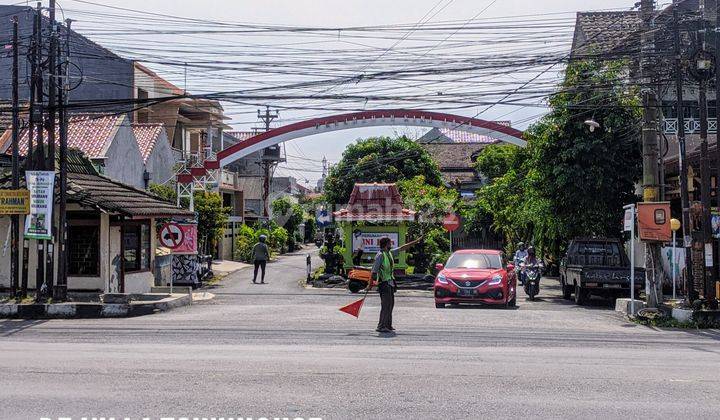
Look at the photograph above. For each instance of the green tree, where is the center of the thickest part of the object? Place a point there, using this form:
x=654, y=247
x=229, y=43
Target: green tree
x=379, y=159
x=431, y=203
x=288, y=215
x=212, y=217
x=569, y=181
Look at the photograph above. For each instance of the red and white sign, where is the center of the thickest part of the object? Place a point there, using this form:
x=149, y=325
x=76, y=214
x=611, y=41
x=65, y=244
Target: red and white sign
x=451, y=222
x=180, y=238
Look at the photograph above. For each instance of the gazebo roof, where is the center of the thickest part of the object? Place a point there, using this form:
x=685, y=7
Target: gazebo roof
x=375, y=203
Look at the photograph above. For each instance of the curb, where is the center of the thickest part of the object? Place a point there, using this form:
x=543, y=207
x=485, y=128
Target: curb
x=92, y=310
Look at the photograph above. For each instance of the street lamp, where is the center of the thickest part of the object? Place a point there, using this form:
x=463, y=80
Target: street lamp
x=675, y=226
x=592, y=124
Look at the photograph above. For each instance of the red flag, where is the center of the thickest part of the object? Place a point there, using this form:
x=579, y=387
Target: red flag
x=353, y=308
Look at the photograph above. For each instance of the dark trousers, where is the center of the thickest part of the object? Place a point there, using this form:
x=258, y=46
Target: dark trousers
x=261, y=264
x=387, y=303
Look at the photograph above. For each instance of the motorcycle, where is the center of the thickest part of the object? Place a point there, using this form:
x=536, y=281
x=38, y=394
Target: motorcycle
x=531, y=283
x=520, y=271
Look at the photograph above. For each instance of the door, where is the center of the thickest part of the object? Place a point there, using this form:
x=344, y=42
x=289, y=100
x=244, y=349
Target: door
x=115, y=280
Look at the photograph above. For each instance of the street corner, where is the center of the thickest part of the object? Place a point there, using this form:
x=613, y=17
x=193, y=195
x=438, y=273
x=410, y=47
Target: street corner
x=110, y=306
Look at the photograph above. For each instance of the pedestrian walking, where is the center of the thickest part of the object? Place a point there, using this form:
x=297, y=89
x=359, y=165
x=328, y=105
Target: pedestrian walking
x=382, y=274
x=260, y=256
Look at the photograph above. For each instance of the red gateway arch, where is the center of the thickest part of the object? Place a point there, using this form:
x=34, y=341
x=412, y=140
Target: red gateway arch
x=389, y=117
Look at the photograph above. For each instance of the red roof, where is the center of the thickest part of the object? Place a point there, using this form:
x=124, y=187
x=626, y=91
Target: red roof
x=375, y=202
x=90, y=133
x=147, y=136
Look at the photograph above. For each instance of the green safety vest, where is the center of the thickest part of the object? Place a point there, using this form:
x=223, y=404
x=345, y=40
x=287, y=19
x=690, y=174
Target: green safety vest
x=386, y=271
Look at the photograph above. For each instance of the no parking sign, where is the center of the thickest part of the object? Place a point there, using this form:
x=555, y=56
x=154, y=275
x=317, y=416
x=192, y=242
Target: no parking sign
x=181, y=238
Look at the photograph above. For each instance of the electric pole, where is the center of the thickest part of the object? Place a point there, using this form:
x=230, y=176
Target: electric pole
x=653, y=261
x=682, y=156
x=715, y=19
x=268, y=161
x=60, y=289
x=50, y=121
x=14, y=251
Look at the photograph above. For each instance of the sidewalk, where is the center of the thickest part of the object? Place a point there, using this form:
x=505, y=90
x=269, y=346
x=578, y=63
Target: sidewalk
x=224, y=267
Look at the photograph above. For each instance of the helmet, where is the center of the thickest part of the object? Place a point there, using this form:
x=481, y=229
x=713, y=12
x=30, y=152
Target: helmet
x=521, y=245
x=531, y=250
x=263, y=238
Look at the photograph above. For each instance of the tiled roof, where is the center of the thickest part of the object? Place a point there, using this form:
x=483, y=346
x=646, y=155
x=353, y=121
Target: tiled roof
x=375, y=202
x=445, y=135
x=89, y=189
x=147, y=136
x=454, y=155
x=112, y=196
x=606, y=30
x=89, y=133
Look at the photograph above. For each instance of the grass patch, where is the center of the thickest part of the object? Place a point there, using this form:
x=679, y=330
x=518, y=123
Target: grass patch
x=670, y=322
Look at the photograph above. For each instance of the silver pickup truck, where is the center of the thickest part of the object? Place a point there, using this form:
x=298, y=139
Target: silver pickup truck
x=597, y=266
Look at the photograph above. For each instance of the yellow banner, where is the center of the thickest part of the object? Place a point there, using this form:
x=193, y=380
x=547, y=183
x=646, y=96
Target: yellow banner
x=14, y=202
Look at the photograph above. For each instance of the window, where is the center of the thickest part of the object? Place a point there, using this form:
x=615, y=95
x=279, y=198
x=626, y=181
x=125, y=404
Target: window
x=136, y=243
x=479, y=261
x=83, y=250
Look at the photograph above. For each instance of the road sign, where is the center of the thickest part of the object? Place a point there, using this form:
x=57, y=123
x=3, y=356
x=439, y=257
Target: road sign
x=451, y=222
x=171, y=235
x=14, y=202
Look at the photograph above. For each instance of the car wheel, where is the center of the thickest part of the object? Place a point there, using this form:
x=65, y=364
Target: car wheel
x=439, y=305
x=355, y=286
x=580, y=295
x=566, y=291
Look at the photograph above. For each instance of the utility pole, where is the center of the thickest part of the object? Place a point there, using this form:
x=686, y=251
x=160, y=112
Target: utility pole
x=30, y=160
x=653, y=261
x=50, y=126
x=715, y=18
x=42, y=156
x=14, y=251
x=682, y=156
x=60, y=289
x=267, y=161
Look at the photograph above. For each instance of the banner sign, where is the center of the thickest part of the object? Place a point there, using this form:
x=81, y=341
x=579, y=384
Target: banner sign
x=38, y=223
x=14, y=202
x=368, y=241
x=181, y=238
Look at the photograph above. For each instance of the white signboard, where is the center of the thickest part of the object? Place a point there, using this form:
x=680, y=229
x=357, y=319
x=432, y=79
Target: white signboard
x=38, y=223
x=628, y=222
x=368, y=241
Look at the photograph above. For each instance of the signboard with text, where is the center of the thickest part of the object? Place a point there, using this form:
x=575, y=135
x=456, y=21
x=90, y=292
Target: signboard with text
x=368, y=241
x=38, y=223
x=14, y=202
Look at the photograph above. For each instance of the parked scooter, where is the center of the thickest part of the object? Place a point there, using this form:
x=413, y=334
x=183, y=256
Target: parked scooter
x=531, y=282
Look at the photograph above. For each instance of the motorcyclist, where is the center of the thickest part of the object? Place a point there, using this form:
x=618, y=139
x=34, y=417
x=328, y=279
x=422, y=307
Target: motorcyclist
x=531, y=258
x=520, y=254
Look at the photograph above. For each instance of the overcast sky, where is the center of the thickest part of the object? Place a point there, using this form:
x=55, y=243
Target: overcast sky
x=306, y=152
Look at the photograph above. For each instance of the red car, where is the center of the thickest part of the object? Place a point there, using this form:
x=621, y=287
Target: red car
x=475, y=276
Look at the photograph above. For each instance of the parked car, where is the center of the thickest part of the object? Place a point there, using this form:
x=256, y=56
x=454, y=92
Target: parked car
x=475, y=276
x=597, y=266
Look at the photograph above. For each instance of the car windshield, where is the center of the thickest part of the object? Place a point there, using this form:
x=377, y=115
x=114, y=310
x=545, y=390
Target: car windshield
x=474, y=261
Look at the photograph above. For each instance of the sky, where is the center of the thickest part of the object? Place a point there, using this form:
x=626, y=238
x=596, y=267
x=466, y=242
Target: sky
x=364, y=54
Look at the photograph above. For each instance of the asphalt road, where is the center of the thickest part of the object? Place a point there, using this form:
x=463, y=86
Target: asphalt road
x=277, y=350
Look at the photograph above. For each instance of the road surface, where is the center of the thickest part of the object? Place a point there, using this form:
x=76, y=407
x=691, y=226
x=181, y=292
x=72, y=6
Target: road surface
x=277, y=350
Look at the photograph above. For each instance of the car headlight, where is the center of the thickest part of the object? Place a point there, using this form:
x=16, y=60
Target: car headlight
x=497, y=279
x=442, y=279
